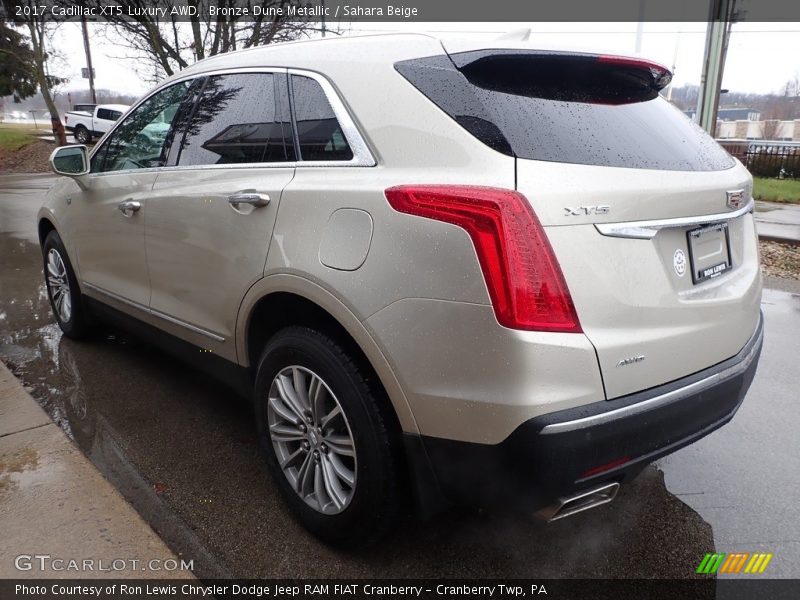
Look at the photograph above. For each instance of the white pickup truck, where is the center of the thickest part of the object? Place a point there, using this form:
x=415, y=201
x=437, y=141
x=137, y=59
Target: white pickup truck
x=85, y=125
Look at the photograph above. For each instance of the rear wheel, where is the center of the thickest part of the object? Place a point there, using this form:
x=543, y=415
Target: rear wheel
x=62, y=289
x=82, y=135
x=323, y=427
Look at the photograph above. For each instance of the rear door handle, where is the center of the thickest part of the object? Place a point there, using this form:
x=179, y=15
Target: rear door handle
x=252, y=198
x=129, y=207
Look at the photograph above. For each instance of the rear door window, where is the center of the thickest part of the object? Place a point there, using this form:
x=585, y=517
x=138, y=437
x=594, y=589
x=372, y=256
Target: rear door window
x=237, y=119
x=319, y=133
x=565, y=108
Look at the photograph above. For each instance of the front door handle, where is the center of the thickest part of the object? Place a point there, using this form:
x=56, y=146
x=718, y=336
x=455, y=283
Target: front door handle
x=129, y=207
x=252, y=198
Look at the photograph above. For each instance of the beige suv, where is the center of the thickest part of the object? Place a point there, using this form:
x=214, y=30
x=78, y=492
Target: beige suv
x=442, y=271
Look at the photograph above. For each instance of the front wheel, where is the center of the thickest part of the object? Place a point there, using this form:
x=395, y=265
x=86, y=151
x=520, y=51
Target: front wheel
x=62, y=288
x=324, y=428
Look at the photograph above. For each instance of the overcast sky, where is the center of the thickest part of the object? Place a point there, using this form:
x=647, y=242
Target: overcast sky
x=761, y=56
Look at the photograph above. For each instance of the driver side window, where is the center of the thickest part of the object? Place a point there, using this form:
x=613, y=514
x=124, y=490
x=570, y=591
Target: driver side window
x=143, y=139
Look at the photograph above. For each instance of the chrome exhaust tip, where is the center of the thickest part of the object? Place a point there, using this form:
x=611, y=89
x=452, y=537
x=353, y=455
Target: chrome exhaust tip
x=571, y=505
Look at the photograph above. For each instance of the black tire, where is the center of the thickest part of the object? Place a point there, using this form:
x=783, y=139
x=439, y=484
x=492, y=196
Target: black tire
x=375, y=500
x=75, y=323
x=82, y=135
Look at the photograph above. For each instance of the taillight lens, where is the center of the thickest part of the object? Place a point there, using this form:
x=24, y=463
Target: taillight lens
x=659, y=74
x=525, y=283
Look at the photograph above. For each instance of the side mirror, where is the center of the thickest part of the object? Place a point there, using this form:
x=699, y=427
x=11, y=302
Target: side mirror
x=72, y=161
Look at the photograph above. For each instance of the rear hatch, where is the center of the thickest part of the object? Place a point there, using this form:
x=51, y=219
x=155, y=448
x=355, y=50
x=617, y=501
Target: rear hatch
x=647, y=215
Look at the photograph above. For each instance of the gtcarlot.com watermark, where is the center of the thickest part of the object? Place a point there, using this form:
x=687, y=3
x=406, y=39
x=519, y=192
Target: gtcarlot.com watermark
x=56, y=564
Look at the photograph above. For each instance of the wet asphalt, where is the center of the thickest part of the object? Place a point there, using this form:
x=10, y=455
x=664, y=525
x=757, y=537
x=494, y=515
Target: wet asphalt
x=182, y=449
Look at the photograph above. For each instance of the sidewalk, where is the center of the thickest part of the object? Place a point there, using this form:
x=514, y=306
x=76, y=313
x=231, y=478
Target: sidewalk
x=54, y=502
x=778, y=222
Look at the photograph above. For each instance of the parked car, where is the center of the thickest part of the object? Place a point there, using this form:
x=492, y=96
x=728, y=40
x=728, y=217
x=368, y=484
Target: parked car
x=85, y=125
x=443, y=271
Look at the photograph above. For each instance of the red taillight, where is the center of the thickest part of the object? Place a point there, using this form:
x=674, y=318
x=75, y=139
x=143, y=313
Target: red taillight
x=525, y=283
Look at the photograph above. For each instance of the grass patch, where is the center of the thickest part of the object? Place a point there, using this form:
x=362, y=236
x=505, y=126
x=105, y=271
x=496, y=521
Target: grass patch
x=777, y=190
x=13, y=139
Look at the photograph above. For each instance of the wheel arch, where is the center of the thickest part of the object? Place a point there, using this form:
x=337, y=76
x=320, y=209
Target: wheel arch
x=281, y=300
x=44, y=226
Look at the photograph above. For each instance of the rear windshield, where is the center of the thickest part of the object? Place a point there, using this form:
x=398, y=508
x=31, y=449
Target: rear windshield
x=565, y=108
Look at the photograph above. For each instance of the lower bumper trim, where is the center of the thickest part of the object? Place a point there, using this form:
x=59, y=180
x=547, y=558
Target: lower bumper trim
x=559, y=455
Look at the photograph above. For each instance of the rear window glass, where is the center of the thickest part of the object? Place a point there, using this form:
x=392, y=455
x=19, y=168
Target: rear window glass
x=560, y=109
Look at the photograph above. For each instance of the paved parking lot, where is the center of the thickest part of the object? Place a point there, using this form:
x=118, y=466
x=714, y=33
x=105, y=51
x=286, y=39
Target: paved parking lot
x=182, y=450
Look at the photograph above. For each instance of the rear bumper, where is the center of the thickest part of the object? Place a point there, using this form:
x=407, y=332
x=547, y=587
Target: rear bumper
x=565, y=452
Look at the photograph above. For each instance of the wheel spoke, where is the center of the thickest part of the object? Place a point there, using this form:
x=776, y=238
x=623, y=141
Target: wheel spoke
x=292, y=459
x=300, y=388
x=332, y=487
x=330, y=416
x=59, y=300
x=285, y=433
x=304, y=476
x=319, y=487
x=317, y=392
x=340, y=444
x=289, y=396
x=282, y=411
x=67, y=307
x=342, y=472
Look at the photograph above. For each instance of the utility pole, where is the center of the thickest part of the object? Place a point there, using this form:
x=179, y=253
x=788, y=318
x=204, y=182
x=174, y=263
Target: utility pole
x=674, y=65
x=639, y=29
x=88, y=58
x=717, y=35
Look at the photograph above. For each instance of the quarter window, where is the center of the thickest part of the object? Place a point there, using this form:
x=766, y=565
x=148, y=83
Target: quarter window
x=237, y=119
x=318, y=132
x=142, y=140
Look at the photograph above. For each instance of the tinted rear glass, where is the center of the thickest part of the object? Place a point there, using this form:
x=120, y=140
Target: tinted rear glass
x=556, y=108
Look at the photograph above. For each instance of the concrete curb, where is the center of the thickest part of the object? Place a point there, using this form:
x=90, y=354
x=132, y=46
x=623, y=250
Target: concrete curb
x=54, y=502
x=779, y=239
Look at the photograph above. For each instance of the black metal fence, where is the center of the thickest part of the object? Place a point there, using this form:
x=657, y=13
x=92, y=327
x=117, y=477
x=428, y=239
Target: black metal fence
x=767, y=159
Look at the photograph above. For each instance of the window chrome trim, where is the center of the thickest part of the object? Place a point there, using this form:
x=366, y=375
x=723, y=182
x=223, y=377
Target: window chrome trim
x=646, y=230
x=362, y=155
x=156, y=313
x=674, y=396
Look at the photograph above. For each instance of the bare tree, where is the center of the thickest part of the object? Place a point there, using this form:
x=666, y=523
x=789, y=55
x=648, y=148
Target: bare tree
x=165, y=44
x=770, y=129
x=792, y=87
x=40, y=32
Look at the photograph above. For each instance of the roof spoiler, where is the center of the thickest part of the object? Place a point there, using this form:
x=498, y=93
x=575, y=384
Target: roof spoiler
x=567, y=76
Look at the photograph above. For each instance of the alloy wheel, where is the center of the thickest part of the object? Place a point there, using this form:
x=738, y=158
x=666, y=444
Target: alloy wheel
x=312, y=439
x=58, y=285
